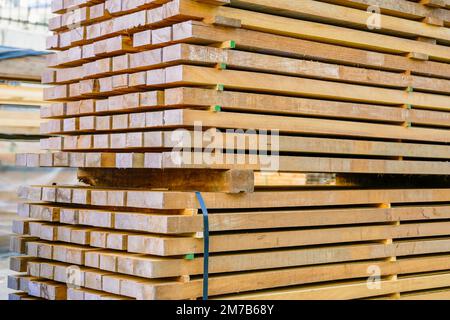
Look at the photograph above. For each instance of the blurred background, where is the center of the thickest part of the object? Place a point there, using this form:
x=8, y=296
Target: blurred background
x=23, y=23
x=23, y=29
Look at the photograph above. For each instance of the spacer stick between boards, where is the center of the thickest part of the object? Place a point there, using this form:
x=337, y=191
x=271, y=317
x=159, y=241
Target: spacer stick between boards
x=215, y=108
x=229, y=44
x=221, y=66
x=205, y=244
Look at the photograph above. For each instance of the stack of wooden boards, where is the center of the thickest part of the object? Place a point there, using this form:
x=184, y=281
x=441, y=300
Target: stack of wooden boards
x=143, y=90
x=21, y=94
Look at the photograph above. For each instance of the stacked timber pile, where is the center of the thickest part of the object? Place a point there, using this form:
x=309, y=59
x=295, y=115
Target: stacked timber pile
x=19, y=129
x=317, y=139
x=21, y=95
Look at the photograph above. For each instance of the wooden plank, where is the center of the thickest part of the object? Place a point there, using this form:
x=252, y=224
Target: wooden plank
x=19, y=122
x=302, y=275
x=310, y=30
x=21, y=296
x=18, y=243
x=172, y=246
x=88, y=294
x=260, y=199
x=184, y=53
x=178, y=223
x=256, y=103
x=333, y=14
x=400, y=8
x=231, y=181
x=242, y=80
x=26, y=68
x=431, y=295
x=184, y=76
x=268, y=163
x=20, y=95
x=177, y=246
x=350, y=290
x=198, y=32
x=264, y=103
x=272, y=163
x=19, y=263
x=188, y=118
x=300, y=125
x=220, y=284
x=49, y=290
x=159, y=267
x=158, y=140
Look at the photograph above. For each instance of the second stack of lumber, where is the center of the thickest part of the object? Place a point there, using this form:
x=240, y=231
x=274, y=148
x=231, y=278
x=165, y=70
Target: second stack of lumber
x=349, y=101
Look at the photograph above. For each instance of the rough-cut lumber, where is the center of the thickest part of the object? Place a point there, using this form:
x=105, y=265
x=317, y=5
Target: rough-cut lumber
x=135, y=287
x=198, y=32
x=18, y=122
x=231, y=181
x=298, y=164
x=264, y=103
x=156, y=140
x=25, y=69
x=243, y=80
x=20, y=95
x=285, y=124
x=177, y=246
x=400, y=8
x=184, y=53
x=318, y=141
x=184, y=222
x=309, y=30
x=299, y=125
x=314, y=10
x=353, y=290
x=288, y=276
x=183, y=200
x=219, y=161
x=161, y=267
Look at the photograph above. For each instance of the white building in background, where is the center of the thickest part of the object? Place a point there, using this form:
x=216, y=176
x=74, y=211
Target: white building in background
x=23, y=23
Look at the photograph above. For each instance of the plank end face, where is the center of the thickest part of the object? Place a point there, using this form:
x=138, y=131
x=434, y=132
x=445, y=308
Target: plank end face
x=174, y=96
x=23, y=191
x=153, y=160
x=21, y=159
x=174, y=75
x=172, y=53
x=241, y=181
x=174, y=117
x=182, y=30
x=146, y=292
x=124, y=160
x=145, y=199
